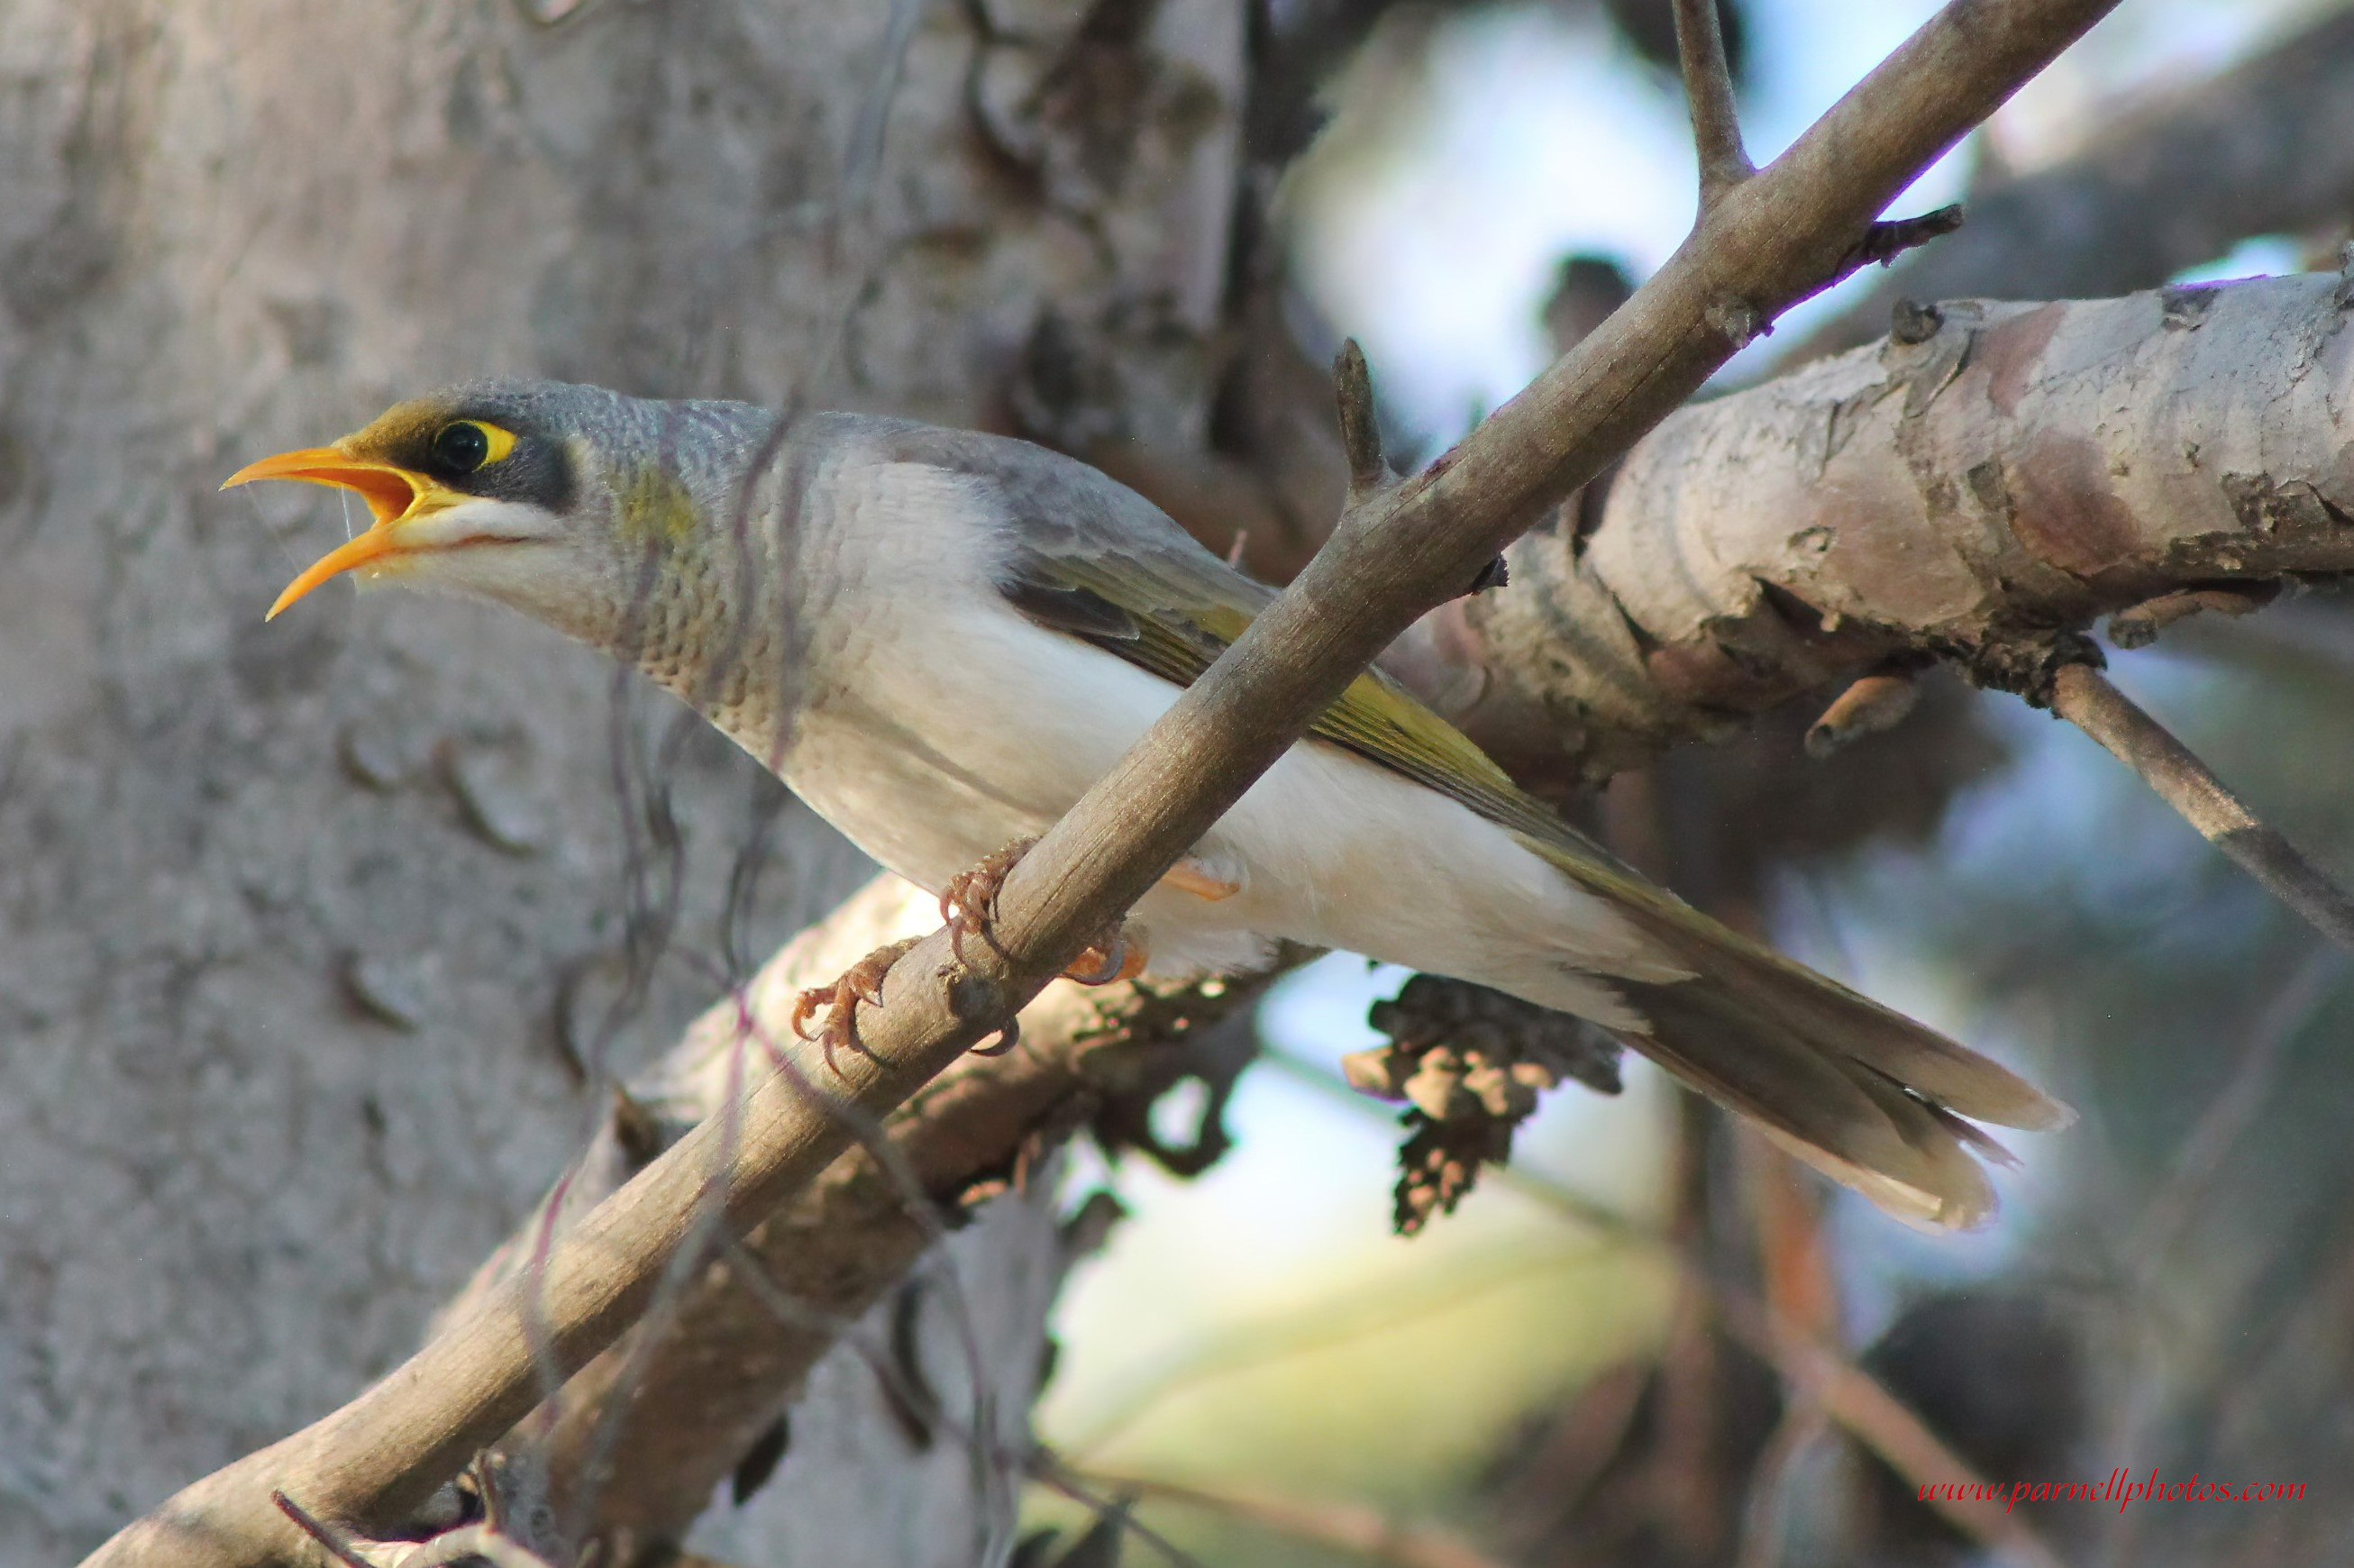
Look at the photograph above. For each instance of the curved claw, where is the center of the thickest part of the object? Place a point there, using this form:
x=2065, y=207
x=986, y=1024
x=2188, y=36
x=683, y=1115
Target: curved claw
x=1117, y=956
x=969, y=902
x=861, y=982
x=1114, y=958
x=1007, y=1037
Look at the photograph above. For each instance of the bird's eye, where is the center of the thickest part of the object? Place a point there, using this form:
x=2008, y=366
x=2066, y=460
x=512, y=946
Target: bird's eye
x=469, y=444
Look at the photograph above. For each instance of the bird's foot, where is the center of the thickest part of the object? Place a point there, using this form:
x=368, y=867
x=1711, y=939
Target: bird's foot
x=969, y=902
x=969, y=909
x=1114, y=956
x=862, y=982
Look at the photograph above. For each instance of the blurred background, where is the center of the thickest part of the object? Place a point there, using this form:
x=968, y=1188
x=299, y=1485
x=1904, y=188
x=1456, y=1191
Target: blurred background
x=1535, y=1378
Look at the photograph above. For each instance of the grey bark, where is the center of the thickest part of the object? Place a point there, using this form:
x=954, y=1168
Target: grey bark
x=291, y=914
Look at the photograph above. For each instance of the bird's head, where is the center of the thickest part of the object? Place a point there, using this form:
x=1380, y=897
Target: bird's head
x=570, y=504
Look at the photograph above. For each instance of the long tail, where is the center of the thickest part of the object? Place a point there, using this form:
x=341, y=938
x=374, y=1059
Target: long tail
x=1858, y=1091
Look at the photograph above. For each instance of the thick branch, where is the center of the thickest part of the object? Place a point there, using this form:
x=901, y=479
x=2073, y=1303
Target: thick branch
x=1772, y=240
x=1983, y=491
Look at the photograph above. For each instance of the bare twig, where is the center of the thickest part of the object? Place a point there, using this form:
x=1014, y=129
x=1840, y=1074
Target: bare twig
x=1351, y=1527
x=1886, y=1425
x=2086, y=698
x=1361, y=434
x=330, y=1539
x=1056, y=1477
x=1884, y=241
x=1771, y=240
x=1708, y=90
x=2138, y=626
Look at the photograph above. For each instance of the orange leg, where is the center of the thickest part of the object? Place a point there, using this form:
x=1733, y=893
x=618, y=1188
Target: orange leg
x=1190, y=875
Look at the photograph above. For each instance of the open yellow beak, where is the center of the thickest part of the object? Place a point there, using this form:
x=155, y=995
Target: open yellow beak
x=391, y=493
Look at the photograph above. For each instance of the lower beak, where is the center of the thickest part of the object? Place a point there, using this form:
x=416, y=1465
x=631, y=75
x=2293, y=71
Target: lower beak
x=389, y=492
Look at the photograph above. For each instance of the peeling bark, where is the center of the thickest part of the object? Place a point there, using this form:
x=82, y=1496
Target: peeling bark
x=1980, y=494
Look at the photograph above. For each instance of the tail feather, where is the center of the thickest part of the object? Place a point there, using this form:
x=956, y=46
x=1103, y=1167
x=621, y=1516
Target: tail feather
x=1861, y=1092
x=1847, y=1119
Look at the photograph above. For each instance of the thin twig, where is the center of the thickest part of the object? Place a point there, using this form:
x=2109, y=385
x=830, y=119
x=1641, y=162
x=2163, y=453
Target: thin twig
x=1884, y=241
x=1869, y=704
x=1708, y=90
x=1361, y=433
x=331, y=1540
x=2086, y=698
x=1055, y=1476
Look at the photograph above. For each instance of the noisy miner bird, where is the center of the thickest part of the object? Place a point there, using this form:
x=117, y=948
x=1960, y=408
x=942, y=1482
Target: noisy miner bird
x=939, y=638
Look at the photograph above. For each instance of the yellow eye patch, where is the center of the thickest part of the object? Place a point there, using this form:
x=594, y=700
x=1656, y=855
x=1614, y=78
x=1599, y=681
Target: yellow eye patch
x=466, y=445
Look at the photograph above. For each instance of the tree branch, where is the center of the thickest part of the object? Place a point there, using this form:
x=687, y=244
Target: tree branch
x=2086, y=698
x=1708, y=91
x=1773, y=239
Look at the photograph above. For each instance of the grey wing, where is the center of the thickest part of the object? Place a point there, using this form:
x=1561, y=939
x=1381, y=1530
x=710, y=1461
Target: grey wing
x=1084, y=554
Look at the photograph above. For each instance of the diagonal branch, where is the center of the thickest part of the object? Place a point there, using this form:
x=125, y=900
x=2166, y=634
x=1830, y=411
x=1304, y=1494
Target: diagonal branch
x=722, y=1365
x=1708, y=90
x=1774, y=239
x=2086, y=698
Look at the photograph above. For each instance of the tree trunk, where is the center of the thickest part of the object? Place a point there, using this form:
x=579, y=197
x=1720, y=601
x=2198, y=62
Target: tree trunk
x=314, y=930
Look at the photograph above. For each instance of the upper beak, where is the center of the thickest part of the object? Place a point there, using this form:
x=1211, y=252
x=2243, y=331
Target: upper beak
x=389, y=491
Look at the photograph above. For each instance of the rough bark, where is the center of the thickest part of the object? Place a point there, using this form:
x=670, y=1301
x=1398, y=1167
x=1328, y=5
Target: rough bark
x=2168, y=183
x=290, y=913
